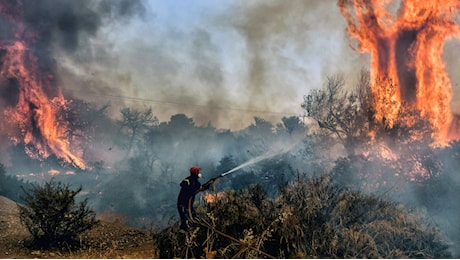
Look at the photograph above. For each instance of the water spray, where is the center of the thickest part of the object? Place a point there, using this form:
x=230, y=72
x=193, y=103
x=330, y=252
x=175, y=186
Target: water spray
x=270, y=154
x=255, y=160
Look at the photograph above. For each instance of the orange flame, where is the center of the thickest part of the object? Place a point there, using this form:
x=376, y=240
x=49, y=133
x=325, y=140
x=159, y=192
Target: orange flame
x=35, y=107
x=405, y=48
x=213, y=197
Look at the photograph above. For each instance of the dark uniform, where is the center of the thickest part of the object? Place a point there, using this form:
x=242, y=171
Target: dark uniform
x=190, y=186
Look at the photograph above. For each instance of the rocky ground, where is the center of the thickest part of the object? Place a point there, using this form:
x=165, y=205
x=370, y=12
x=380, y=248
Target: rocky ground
x=106, y=240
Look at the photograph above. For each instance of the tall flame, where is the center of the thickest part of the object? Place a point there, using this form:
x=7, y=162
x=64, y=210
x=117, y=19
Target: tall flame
x=405, y=48
x=35, y=105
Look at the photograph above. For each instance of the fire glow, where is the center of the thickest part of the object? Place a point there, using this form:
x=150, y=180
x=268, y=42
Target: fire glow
x=34, y=103
x=213, y=197
x=405, y=48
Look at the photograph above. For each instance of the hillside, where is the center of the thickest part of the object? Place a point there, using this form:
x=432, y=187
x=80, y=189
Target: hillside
x=106, y=240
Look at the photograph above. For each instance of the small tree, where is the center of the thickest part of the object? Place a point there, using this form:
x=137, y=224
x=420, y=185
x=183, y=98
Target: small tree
x=346, y=115
x=52, y=215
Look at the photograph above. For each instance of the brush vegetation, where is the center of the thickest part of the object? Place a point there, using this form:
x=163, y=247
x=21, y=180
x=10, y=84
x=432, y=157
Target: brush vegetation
x=310, y=218
x=52, y=215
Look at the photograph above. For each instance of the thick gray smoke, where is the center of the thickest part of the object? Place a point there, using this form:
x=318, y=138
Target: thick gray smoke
x=69, y=25
x=48, y=30
x=223, y=63
x=67, y=29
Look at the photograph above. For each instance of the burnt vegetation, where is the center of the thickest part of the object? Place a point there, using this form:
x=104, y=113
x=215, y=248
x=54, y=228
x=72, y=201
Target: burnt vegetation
x=351, y=186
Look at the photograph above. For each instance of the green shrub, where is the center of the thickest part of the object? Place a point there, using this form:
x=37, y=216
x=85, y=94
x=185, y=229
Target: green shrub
x=52, y=215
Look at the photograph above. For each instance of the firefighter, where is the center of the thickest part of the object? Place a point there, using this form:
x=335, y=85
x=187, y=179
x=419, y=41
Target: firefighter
x=190, y=186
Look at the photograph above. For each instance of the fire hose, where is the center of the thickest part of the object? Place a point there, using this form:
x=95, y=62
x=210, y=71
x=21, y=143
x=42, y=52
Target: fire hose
x=212, y=180
x=207, y=184
x=203, y=223
x=204, y=187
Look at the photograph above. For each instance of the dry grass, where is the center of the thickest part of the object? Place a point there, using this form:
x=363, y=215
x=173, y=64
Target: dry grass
x=311, y=218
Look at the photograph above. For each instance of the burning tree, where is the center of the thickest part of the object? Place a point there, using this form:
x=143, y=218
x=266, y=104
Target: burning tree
x=407, y=70
x=33, y=103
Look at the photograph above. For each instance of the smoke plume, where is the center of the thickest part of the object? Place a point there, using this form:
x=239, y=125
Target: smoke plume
x=222, y=63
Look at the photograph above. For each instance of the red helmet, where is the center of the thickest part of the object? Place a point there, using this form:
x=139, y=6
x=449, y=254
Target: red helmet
x=195, y=170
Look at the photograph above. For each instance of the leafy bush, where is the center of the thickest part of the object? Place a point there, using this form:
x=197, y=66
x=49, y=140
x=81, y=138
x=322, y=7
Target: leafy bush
x=311, y=218
x=52, y=215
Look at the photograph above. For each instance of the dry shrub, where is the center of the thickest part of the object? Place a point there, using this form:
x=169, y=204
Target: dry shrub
x=310, y=218
x=384, y=229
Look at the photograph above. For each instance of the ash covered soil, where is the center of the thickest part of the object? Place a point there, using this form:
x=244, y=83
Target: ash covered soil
x=106, y=240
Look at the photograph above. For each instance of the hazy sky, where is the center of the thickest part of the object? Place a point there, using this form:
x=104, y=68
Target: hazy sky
x=222, y=61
